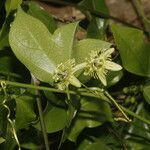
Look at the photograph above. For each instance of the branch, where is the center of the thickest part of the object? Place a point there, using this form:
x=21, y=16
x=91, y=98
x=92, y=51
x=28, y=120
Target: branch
x=39, y=105
x=139, y=11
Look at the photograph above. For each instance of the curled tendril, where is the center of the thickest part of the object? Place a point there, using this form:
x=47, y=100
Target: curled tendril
x=4, y=85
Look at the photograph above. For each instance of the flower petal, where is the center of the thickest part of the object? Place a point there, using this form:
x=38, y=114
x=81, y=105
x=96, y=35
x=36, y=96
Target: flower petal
x=112, y=66
x=102, y=77
x=108, y=52
x=74, y=81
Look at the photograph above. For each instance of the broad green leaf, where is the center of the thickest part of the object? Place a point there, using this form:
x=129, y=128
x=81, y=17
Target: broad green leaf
x=139, y=134
x=37, y=48
x=2, y=140
x=30, y=146
x=24, y=111
x=88, y=145
x=38, y=12
x=40, y=51
x=12, y=5
x=114, y=77
x=146, y=93
x=97, y=26
x=134, y=51
x=84, y=47
x=55, y=114
x=92, y=113
x=55, y=118
x=98, y=5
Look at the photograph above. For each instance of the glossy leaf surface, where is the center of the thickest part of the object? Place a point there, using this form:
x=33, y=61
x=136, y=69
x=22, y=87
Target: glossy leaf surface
x=134, y=51
x=92, y=113
x=41, y=51
x=24, y=111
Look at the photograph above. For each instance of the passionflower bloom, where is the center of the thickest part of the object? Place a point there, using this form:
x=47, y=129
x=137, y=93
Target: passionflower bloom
x=64, y=75
x=99, y=63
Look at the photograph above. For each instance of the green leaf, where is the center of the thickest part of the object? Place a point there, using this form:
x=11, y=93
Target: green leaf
x=55, y=114
x=84, y=47
x=98, y=145
x=88, y=145
x=2, y=140
x=40, y=51
x=37, y=48
x=55, y=118
x=98, y=5
x=97, y=26
x=92, y=113
x=24, y=111
x=4, y=32
x=12, y=5
x=30, y=146
x=4, y=37
x=114, y=77
x=38, y=12
x=139, y=135
x=134, y=51
x=146, y=93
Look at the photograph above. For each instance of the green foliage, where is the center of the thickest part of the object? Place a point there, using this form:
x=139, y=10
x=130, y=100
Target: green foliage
x=89, y=116
x=55, y=113
x=38, y=53
x=24, y=111
x=49, y=50
x=132, y=52
x=88, y=145
x=97, y=26
x=146, y=93
x=12, y=5
x=36, y=11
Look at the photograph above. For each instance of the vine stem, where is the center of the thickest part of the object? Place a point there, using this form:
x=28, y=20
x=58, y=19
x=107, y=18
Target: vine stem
x=135, y=115
x=138, y=9
x=117, y=105
x=112, y=100
x=23, y=85
x=44, y=88
x=39, y=105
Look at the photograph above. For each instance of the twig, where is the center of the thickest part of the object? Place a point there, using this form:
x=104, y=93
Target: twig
x=139, y=11
x=42, y=123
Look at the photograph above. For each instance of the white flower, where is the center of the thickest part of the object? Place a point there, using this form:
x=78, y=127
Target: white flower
x=64, y=75
x=99, y=63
